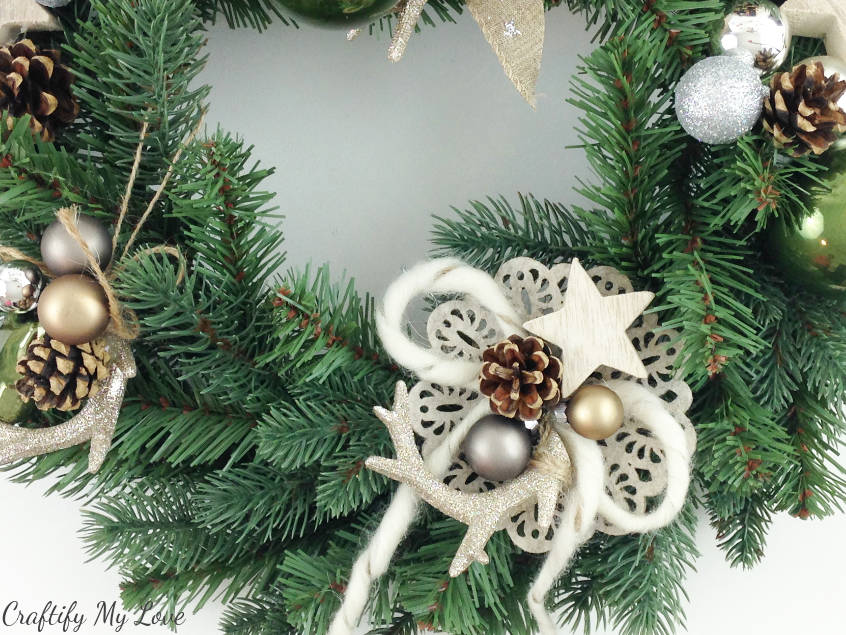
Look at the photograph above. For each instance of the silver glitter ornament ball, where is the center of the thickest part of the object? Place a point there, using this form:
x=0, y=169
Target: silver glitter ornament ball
x=62, y=253
x=719, y=99
x=498, y=448
x=756, y=32
x=21, y=284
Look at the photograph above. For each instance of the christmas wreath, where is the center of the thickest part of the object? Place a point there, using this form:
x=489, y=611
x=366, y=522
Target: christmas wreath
x=222, y=425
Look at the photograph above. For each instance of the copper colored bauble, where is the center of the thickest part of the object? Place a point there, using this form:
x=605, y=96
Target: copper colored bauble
x=595, y=412
x=74, y=309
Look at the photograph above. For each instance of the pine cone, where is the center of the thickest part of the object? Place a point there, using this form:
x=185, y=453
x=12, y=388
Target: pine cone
x=34, y=82
x=521, y=376
x=58, y=375
x=802, y=112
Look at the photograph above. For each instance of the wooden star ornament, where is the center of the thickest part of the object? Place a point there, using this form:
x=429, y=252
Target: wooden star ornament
x=820, y=19
x=591, y=329
x=20, y=16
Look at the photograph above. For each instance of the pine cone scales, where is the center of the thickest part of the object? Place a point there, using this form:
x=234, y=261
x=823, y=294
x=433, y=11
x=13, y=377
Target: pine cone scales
x=34, y=82
x=802, y=112
x=520, y=376
x=58, y=375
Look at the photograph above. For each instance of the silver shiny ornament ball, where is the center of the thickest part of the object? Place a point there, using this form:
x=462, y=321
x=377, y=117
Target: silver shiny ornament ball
x=21, y=284
x=53, y=4
x=719, y=99
x=63, y=255
x=755, y=31
x=498, y=448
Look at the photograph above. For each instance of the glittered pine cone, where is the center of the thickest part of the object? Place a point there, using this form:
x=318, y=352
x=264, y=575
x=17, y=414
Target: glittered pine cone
x=58, y=375
x=33, y=82
x=802, y=112
x=521, y=376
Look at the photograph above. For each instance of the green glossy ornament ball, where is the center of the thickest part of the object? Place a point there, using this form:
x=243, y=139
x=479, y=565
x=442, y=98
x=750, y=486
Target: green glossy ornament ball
x=813, y=255
x=14, y=338
x=342, y=14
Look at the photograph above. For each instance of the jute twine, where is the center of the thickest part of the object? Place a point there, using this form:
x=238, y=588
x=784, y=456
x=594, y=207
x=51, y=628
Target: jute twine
x=560, y=468
x=124, y=321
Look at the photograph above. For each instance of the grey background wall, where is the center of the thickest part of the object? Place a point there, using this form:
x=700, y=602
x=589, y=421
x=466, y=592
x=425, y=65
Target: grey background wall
x=365, y=152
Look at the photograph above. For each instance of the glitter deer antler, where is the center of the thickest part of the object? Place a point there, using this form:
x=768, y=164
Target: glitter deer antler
x=483, y=513
x=95, y=422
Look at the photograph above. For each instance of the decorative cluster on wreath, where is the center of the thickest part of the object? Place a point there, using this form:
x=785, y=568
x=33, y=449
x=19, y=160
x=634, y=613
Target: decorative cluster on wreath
x=547, y=406
x=721, y=98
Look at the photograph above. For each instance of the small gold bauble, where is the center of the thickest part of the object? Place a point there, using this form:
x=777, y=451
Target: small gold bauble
x=595, y=412
x=73, y=309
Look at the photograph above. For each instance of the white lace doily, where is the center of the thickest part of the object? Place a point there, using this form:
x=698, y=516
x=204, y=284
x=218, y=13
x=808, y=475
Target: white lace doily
x=462, y=329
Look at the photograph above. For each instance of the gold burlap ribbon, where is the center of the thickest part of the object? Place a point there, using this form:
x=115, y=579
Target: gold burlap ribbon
x=513, y=28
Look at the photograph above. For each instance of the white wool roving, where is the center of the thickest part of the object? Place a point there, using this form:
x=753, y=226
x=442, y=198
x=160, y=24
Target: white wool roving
x=373, y=562
x=445, y=275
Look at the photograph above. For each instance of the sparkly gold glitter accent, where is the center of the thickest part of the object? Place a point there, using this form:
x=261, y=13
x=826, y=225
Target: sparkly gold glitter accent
x=483, y=513
x=405, y=29
x=95, y=422
x=513, y=28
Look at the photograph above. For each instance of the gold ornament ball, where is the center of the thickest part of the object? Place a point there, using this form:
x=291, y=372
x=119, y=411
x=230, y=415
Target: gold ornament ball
x=73, y=309
x=595, y=412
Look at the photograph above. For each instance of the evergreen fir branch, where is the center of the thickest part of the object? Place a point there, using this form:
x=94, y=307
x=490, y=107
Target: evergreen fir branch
x=255, y=616
x=171, y=560
x=741, y=523
x=741, y=446
x=814, y=483
x=190, y=325
x=477, y=602
x=154, y=526
x=222, y=212
x=709, y=287
x=489, y=234
x=632, y=140
x=650, y=597
x=577, y=596
x=256, y=500
x=753, y=182
x=635, y=582
x=344, y=485
x=320, y=327
x=682, y=27
x=36, y=179
x=256, y=14
x=151, y=49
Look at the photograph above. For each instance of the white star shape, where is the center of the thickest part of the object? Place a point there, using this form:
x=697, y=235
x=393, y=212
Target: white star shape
x=20, y=16
x=821, y=19
x=591, y=330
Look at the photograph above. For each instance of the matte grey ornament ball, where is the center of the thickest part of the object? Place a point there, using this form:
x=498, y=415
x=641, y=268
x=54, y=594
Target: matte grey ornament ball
x=63, y=255
x=719, y=99
x=756, y=31
x=498, y=448
x=21, y=284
